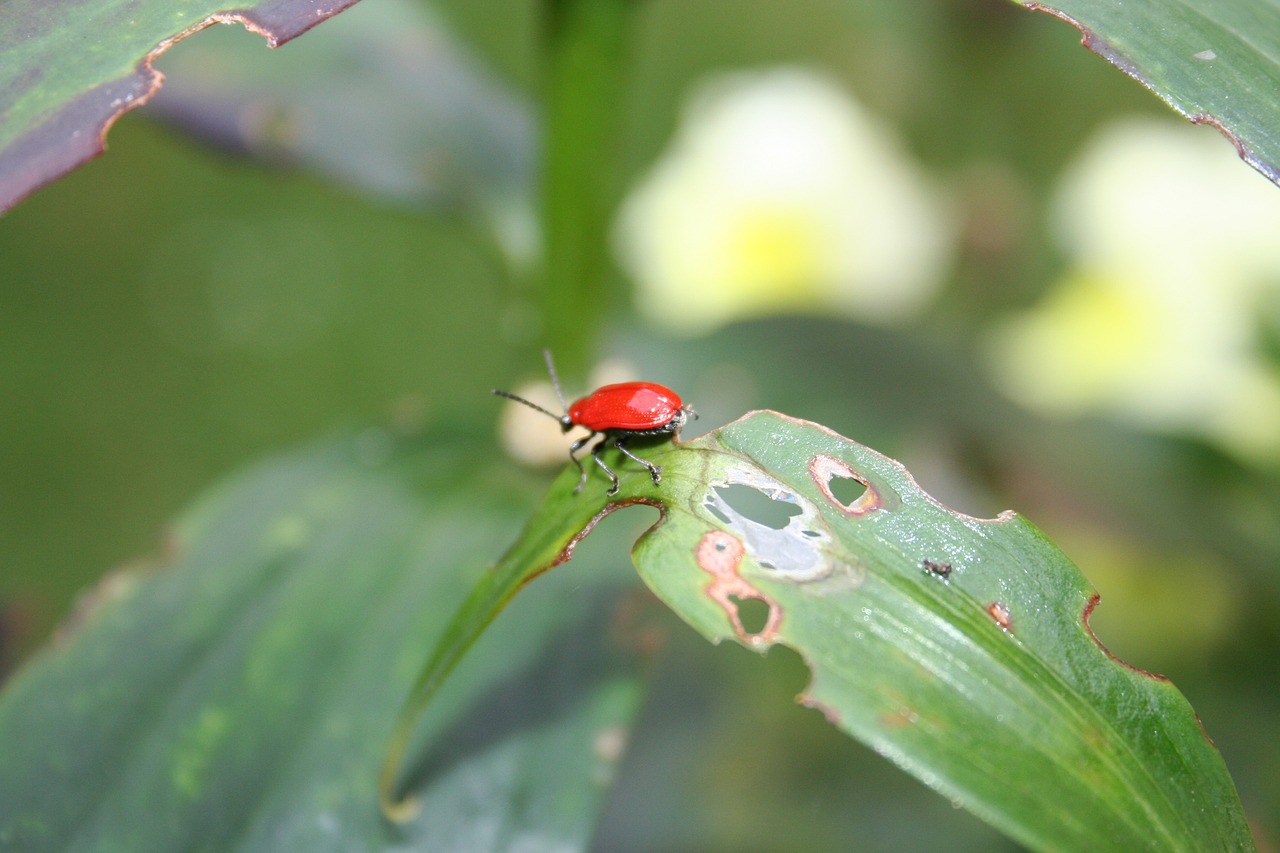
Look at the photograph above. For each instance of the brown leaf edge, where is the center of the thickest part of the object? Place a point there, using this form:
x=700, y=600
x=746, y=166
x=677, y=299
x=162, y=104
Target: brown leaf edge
x=1110, y=53
x=77, y=133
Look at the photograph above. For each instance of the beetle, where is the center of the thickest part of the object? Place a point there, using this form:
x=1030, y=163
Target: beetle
x=937, y=568
x=618, y=413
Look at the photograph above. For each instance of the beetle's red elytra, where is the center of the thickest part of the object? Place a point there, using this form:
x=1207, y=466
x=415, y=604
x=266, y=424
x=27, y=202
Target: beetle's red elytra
x=628, y=406
x=618, y=413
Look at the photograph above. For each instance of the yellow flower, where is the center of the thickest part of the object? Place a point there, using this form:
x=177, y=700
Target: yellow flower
x=780, y=193
x=1173, y=245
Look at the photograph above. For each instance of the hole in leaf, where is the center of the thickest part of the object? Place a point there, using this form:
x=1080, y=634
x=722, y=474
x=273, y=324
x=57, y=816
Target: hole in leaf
x=844, y=486
x=753, y=614
x=755, y=505
x=717, y=512
x=847, y=490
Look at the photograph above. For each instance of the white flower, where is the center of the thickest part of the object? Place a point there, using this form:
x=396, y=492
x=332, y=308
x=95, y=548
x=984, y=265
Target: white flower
x=1173, y=245
x=780, y=193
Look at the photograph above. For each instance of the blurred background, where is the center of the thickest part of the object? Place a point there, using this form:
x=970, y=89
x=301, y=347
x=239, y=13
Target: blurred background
x=943, y=229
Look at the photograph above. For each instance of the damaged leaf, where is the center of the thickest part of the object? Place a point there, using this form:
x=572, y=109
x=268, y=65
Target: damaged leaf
x=959, y=648
x=1217, y=62
x=71, y=69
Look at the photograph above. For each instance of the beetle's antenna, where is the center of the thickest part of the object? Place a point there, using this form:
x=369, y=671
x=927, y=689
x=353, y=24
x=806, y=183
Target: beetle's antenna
x=530, y=404
x=555, y=380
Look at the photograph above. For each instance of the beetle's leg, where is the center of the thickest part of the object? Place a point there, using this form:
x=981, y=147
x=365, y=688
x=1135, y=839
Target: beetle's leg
x=595, y=454
x=578, y=445
x=654, y=471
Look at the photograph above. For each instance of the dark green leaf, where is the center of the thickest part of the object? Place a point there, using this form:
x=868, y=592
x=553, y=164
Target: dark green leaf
x=548, y=540
x=241, y=693
x=959, y=648
x=71, y=69
x=1216, y=61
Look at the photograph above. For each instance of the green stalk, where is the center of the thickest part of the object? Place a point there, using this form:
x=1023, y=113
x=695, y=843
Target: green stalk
x=586, y=48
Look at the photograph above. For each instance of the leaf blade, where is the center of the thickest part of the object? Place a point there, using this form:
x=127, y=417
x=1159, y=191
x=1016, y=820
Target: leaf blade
x=985, y=683
x=242, y=695
x=69, y=74
x=1217, y=62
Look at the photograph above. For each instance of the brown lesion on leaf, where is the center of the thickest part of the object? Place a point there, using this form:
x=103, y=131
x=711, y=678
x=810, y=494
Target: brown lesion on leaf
x=720, y=554
x=566, y=553
x=1245, y=153
x=1111, y=53
x=808, y=700
x=1088, y=37
x=824, y=469
x=1204, y=733
x=901, y=715
x=1084, y=618
x=899, y=719
x=1000, y=613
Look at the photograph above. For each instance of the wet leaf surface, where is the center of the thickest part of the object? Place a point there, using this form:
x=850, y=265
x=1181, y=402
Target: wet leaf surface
x=1217, y=62
x=71, y=69
x=958, y=648
x=239, y=692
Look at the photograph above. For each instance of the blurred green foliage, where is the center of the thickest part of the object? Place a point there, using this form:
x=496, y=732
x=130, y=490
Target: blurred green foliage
x=169, y=313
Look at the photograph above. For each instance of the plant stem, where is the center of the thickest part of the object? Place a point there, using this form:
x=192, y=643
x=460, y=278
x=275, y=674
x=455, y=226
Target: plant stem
x=586, y=44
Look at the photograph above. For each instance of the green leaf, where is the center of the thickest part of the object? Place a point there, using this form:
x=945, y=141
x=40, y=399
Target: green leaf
x=958, y=648
x=549, y=539
x=71, y=69
x=1216, y=61
x=587, y=42
x=241, y=692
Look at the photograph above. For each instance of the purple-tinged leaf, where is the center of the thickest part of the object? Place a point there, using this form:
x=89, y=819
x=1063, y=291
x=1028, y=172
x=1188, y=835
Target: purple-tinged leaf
x=72, y=68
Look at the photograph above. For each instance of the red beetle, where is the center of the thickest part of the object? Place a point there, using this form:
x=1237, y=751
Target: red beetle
x=619, y=413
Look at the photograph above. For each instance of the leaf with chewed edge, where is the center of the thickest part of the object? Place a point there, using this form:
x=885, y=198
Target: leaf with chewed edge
x=71, y=69
x=1215, y=61
x=957, y=647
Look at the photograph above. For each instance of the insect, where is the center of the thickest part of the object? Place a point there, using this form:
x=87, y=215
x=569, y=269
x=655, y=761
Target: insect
x=937, y=569
x=619, y=414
